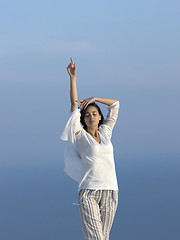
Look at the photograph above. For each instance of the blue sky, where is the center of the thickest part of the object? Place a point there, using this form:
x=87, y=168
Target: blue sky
x=138, y=38
x=129, y=50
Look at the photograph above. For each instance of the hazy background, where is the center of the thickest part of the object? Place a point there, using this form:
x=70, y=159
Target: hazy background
x=129, y=50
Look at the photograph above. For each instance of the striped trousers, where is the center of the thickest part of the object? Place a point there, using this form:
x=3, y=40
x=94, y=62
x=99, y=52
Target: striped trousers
x=97, y=210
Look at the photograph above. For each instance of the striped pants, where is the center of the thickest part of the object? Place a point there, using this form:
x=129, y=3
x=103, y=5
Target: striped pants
x=97, y=210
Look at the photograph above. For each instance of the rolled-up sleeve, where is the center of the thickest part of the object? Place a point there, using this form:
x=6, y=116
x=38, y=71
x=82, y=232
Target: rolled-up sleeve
x=111, y=119
x=112, y=115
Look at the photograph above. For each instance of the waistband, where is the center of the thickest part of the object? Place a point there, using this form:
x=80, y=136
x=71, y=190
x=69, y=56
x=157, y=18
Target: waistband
x=93, y=192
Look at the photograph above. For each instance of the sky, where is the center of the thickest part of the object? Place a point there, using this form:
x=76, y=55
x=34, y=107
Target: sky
x=128, y=50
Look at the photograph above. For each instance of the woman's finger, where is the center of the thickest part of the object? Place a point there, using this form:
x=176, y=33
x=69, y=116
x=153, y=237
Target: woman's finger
x=86, y=103
x=83, y=103
x=72, y=60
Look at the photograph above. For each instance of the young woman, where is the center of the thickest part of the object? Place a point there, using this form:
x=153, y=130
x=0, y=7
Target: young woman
x=89, y=160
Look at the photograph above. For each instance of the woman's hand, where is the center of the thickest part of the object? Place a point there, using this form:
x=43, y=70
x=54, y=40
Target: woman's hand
x=72, y=69
x=86, y=102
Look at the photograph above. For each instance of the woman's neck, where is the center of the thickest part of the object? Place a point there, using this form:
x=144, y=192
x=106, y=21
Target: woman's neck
x=93, y=131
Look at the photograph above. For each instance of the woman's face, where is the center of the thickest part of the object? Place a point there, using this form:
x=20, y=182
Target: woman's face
x=92, y=117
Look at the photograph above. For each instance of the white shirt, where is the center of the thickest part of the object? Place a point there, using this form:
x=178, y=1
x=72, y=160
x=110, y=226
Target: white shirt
x=88, y=162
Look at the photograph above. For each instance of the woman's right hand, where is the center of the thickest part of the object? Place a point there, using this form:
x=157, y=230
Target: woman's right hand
x=72, y=69
x=86, y=102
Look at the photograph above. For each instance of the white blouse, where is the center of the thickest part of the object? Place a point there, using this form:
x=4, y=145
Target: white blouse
x=88, y=162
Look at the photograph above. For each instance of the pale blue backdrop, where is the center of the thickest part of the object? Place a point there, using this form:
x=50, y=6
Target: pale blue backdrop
x=129, y=50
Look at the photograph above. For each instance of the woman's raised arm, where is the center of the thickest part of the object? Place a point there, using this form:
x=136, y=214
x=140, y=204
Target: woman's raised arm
x=73, y=87
x=107, y=101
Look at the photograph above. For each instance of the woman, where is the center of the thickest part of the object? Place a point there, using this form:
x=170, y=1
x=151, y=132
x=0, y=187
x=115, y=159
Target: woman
x=89, y=160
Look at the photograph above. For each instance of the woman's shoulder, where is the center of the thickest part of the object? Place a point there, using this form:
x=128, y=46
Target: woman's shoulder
x=80, y=133
x=105, y=131
x=104, y=127
x=75, y=112
x=77, y=132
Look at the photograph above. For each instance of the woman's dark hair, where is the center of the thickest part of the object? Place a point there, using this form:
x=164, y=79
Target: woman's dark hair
x=83, y=111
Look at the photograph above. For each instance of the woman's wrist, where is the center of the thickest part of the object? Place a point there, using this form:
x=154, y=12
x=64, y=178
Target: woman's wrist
x=96, y=99
x=106, y=101
x=73, y=77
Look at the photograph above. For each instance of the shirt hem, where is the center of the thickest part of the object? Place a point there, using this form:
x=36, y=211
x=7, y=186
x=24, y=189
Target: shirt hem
x=99, y=188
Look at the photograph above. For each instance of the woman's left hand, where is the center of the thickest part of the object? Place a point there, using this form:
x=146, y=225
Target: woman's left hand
x=86, y=102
